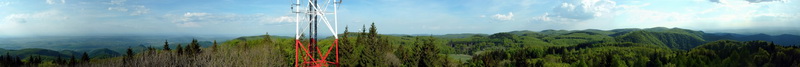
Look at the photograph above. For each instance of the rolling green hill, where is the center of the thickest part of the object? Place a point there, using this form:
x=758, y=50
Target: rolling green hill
x=103, y=53
x=648, y=47
x=667, y=39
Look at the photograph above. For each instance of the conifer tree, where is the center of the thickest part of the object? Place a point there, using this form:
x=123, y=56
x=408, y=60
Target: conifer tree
x=7, y=58
x=16, y=61
x=373, y=31
x=180, y=49
x=194, y=47
x=344, y=47
x=214, y=47
x=58, y=60
x=72, y=60
x=85, y=57
x=129, y=53
x=128, y=57
x=33, y=60
x=166, y=45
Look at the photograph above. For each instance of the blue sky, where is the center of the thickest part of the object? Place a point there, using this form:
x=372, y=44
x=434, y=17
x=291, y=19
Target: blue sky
x=253, y=17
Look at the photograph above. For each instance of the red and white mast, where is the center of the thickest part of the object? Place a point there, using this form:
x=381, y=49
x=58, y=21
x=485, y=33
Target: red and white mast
x=310, y=54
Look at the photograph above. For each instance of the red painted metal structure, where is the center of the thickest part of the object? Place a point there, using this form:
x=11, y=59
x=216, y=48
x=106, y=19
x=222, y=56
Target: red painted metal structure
x=313, y=62
x=310, y=55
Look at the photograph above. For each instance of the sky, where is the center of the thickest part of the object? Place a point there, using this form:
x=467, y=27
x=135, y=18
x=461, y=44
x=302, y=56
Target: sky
x=19, y=18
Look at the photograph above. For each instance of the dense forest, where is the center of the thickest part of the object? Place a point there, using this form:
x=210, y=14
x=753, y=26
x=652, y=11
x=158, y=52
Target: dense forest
x=649, y=47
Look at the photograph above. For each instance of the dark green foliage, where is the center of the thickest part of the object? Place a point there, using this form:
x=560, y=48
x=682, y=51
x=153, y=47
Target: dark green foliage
x=34, y=60
x=59, y=60
x=428, y=54
x=180, y=49
x=502, y=36
x=166, y=45
x=193, y=48
x=10, y=61
x=749, y=53
x=369, y=50
x=85, y=57
x=653, y=47
x=72, y=60
x=214, y=47
x=128, y=55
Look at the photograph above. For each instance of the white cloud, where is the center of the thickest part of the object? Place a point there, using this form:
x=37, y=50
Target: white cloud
x=18, y=24
x=509, y=16
x=282, y=19
x=40, y=16
x=51, y=2
x=580, y=10
x=131, y=10
x=190, y=14
x=123, y=9
x=139, y=10
x=4, y=4
x=198, y=19
x=135, y=10
x=759, y=1
x=116, y=2
x=648, y=18
x=190, y=19
x=556, y=19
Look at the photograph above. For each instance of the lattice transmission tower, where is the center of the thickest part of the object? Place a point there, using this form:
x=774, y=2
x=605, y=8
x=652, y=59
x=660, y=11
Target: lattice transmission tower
x=309, y=18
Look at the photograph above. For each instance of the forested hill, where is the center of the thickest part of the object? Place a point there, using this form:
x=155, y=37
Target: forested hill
x=649, y=47
x=669, y=37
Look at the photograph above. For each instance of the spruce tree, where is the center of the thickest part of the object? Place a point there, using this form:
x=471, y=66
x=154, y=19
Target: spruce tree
x=85, y=57
x=72, y=60
x=128, y=57
x=180, y=49
x=166, y=45
x=373, y=31
x=214, y=47
x=345, y=47
x=129, y=53
x=190, y=48
x=430, y=52
x=58, y=60
x=17, y=61
x=7, y=58
x=194, y=47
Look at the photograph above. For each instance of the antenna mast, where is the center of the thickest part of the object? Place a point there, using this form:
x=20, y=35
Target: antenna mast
x=310, y=54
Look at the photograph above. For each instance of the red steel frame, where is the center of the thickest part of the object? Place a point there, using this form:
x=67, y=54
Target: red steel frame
x=305, y=50
x=315, y=62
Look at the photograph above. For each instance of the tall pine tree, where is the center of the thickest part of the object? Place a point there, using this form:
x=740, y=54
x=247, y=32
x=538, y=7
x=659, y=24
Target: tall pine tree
x=166, y=45
x=72, y=60
x=194, y=47
x=129, y=52
x=180, y=49
x=85, y=57
x=214, y=47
